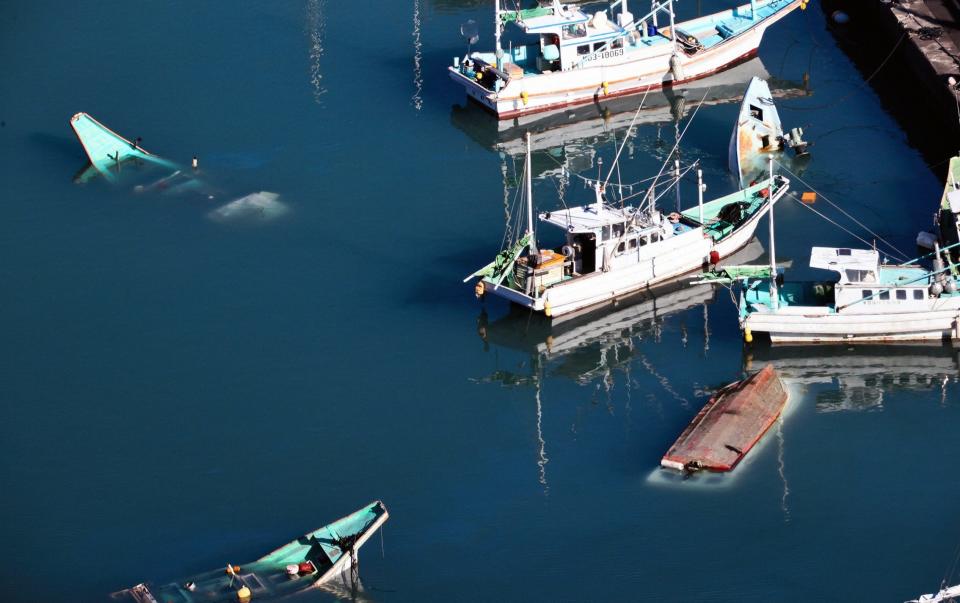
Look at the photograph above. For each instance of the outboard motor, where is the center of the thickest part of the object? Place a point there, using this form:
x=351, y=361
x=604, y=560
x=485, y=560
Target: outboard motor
x=795, y=141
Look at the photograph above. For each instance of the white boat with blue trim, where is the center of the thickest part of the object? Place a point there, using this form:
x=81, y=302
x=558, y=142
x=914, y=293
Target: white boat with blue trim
x=580, y=56
x=612, y=249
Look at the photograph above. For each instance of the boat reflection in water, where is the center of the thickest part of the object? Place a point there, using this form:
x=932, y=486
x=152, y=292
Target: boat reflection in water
x=574, y=132
x=588, y=348
x=847, y=378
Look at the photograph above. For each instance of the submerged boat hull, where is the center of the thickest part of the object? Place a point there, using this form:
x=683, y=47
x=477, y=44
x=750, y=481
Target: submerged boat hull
x=649, y=71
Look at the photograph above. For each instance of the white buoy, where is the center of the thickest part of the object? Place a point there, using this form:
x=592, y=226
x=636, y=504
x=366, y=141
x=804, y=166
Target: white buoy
x=194, y=163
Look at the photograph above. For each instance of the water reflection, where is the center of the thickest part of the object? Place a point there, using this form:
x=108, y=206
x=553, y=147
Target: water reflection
x=316, y=30
x=571, y=135
x=857, y=378
x=417, y=99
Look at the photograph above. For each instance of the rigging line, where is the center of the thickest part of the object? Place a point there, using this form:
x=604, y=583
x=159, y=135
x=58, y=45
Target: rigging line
x=679, y=138
x=860, y=87
x=666, y=190
x=903, y=256
x=626, y=137
x=835, y=223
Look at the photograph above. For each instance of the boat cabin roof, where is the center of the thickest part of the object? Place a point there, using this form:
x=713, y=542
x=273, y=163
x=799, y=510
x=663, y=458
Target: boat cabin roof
x=586, y=218
x=842, y=259
x=554, y=20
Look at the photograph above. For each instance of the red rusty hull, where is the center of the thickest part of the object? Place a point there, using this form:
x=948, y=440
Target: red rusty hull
x=729, y=425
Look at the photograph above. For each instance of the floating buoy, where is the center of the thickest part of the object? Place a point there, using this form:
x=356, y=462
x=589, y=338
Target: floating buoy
x=606, y=88
x=478, y=290
x=194, y=163
x=525, y=97
x=748, y=335
x=714, y=257
x=244, y=594
x=809, y=197
x=839, y=17
x=306, y=567
x=293, y=569
x=233, y=569
x=803, y=4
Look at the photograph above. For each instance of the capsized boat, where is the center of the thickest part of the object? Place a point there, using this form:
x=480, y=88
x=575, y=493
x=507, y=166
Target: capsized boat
x=329, y=553
x=580, y=56
x=729, y=425
x=108, y=151
x=758, y=132
x=614, y=250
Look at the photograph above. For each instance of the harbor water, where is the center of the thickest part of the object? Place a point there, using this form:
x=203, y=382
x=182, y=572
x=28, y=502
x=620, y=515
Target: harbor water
x=188, y=383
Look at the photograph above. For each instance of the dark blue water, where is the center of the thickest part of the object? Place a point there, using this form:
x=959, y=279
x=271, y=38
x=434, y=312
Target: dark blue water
x=181, y=392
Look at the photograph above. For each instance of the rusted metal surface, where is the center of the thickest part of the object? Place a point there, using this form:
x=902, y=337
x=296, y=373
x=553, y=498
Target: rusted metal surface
x=729, y=425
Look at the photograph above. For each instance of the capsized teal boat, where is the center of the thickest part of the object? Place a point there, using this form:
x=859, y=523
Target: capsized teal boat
x=324, y=555
x=108, y=151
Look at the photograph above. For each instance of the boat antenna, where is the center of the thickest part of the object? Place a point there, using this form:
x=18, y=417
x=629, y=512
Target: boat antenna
x=675, y=145
x=533, y=237
x=774, y=295
x=616, y=158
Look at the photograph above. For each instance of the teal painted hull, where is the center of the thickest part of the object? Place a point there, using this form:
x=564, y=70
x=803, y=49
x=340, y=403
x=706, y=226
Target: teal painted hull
x=329, y=553
x=107, y=150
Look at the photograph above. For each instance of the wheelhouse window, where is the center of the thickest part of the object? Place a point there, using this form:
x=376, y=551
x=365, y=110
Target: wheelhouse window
x=583, y=50
x=655, y=237
x=578, y=30
x=884, y=295
x=858, y=276
x=901, y=294
x=632, y=243
x=621, y=247
x=617, y=43
x=919, y=294
x=866, y=293
x=598, y=46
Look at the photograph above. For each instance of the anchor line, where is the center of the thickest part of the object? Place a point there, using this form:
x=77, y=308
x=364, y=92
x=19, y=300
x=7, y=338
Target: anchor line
x=896, y=251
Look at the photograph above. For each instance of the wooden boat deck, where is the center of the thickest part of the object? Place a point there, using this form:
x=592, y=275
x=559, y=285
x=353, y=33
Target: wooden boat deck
x=729, y=425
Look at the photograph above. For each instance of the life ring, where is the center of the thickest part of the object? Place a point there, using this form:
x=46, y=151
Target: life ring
x=673, y=217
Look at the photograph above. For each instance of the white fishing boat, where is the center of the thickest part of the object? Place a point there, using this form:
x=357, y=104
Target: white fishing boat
x=946, y=595
x=759, y=132
x=611, y=251
x=580, y=56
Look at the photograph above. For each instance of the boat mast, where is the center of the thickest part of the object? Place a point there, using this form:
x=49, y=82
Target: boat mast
x=700, y=189
x=529, y=170
x=496, y=33
x=774, y=294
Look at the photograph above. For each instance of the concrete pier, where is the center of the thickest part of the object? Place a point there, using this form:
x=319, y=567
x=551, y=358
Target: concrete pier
x=912, y=48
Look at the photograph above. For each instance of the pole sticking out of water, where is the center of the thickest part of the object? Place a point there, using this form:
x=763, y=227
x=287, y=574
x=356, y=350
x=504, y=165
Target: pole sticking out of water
x=529, y=170
x=774, y=294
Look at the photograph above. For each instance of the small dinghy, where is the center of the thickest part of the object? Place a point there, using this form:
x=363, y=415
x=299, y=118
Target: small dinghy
x=324, y=555
x=729, y=425
x=758, y=132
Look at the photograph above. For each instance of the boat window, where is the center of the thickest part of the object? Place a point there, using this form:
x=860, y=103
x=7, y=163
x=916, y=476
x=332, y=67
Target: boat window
x=577, y=30
x=884, y=295
x=632, y=243
x=643, y=241
x=901, y=294
x=621, y=247
x=654, y=237
x=843, y=252
x=606, y=233
x=867, y=293
x=756, y=112
x=582, y=50
x=598, y=45
x=618, y=230
x=617, y=43
x=918, y=294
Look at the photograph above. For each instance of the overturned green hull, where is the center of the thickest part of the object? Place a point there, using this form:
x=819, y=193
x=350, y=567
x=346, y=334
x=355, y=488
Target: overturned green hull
x=108, y=151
